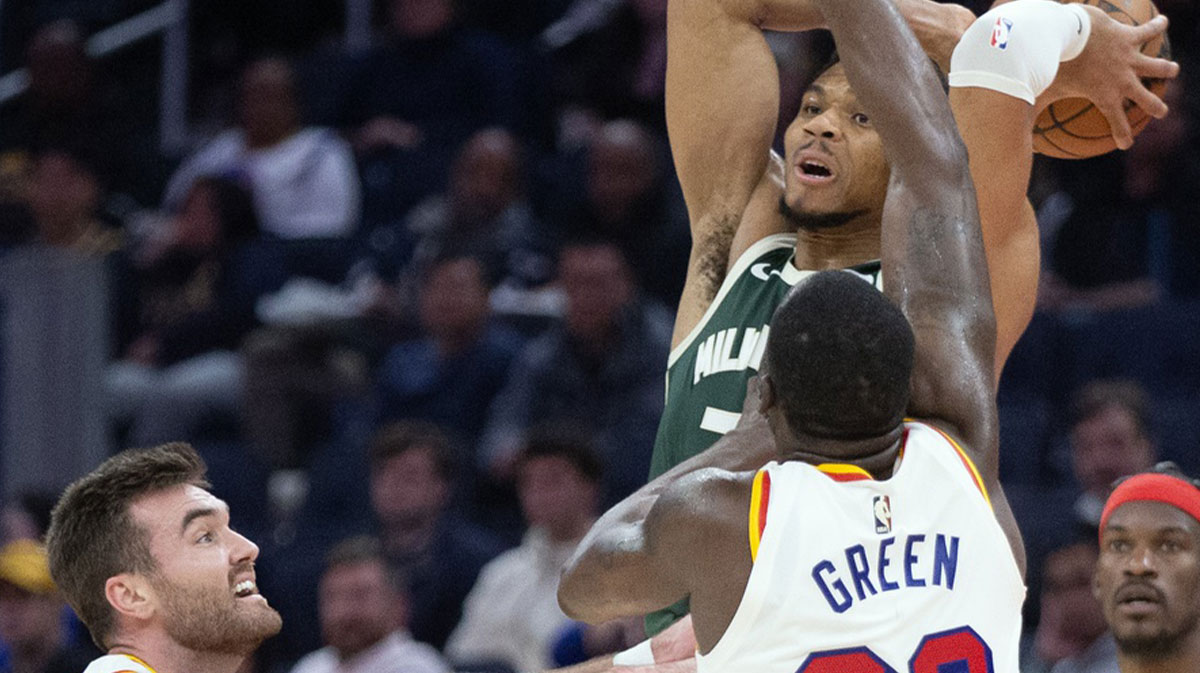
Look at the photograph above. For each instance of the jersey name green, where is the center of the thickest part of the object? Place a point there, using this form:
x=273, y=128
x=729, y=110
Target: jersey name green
x=708, y=371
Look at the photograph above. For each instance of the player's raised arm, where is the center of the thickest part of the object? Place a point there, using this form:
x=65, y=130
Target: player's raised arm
x=999, y=84
x=722, y=98
x=722, y=102
x=933, y=260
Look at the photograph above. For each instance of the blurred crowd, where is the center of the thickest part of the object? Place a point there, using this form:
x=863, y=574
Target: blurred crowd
x=421, y=291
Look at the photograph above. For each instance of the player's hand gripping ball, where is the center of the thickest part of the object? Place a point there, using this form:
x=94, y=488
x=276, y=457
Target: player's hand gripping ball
x=1075, y=127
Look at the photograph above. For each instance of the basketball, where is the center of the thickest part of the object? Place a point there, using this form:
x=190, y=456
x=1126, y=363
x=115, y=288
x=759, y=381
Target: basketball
x=1074, y=128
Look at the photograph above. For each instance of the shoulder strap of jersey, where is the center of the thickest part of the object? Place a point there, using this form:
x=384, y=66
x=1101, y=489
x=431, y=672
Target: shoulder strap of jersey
x=760, y=497
x=119, y=663
x=965, y=459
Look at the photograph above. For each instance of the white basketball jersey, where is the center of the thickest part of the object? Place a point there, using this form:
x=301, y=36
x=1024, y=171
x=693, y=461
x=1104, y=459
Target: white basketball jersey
x=852, y=575
x=118, y=663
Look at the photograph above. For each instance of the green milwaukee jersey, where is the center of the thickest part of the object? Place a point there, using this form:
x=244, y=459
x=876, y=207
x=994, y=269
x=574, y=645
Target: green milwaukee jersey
x=708, y=371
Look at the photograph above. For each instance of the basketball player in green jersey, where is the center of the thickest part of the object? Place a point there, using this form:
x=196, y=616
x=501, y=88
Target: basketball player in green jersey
x=760, y=221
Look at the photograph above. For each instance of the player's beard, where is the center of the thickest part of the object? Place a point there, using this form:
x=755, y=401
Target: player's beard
x=817, y=221
x=1156, y=646
x=205, y=620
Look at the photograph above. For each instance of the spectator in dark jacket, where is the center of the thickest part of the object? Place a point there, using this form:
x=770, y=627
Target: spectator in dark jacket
x=197, y=293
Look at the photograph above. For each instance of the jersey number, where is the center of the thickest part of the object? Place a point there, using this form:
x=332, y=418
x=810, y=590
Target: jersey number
x=958, y=650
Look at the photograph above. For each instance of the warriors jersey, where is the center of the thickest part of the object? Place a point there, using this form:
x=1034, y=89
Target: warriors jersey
x=852, y=574
x=708, y=371
x=118, y=663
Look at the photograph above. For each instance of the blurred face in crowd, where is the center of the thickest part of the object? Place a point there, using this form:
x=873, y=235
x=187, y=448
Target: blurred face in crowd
x=359, y=606
x=486, y=177
x=598, y=286
x=835, y=162
x=1071, y=619
x=556, y=496
x=420, y=18
x=454, y=300
x=1107, y=446
x=622, y=170
x=59, y=71
x=29, y=621
x=203, y=592
x=63, y=195
x=408, y=488
x=198, y=227
x=267, y=103
x=1148, y=578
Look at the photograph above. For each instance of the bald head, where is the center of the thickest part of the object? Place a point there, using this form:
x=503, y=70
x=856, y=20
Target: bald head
x=622, y=168
x=487, y=175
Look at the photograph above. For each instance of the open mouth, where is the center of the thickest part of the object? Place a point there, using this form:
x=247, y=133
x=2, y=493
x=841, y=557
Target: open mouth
x=812, y=170
x=245, y=588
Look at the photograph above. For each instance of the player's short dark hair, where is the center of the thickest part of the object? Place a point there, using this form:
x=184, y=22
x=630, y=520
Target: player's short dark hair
x=1097, y=396
x=558, y=440
x=93, y=537
x=836, y=58
x=840, y=354
x=400, y=437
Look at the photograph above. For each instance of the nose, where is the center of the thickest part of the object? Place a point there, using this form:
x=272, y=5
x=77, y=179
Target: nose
x=1142, y=563
x=244, y=550
x=823, y=126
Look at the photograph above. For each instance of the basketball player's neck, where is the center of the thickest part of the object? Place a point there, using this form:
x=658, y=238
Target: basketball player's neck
x=850, y=244
x=876, y=455
x=164, y=655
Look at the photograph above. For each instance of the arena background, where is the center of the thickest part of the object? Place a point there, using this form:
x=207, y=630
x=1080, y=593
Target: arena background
x=420, y=131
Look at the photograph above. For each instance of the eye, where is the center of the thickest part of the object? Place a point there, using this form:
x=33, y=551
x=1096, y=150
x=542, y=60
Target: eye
x=1170, y=546
x=1119, y=546
x=205, y=538
x=860, y=119
x=810, y=109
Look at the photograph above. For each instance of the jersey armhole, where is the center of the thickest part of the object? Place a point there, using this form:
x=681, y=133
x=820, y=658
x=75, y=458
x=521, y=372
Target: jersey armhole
x=967, y=463
x=760, y=496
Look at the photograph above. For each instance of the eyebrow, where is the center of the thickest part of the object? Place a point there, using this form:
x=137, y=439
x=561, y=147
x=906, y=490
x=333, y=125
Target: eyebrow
x=194, y=514
x=817, y=89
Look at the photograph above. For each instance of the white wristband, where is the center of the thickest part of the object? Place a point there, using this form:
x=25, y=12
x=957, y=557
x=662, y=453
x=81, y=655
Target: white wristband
x=1016, y=48
x=638, y=655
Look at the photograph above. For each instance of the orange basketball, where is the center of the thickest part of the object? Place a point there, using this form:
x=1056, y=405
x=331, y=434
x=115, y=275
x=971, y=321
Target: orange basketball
x=1074, y=128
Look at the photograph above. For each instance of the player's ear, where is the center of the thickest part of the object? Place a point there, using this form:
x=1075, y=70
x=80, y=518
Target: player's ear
x=130, y=594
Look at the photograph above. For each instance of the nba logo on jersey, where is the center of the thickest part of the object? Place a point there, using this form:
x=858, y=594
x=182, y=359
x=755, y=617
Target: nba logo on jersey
x=1000, y=32
x=882, y=508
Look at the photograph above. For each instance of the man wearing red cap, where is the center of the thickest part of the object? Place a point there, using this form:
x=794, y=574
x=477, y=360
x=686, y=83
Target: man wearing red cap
x=1148, y=577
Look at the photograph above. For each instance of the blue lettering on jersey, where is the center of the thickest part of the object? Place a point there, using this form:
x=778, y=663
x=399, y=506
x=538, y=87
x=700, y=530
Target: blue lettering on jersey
x=945, y=560
x=856, y=558
x=884, y=562
x=843, y=602
x=910, y=560
x=919, y=571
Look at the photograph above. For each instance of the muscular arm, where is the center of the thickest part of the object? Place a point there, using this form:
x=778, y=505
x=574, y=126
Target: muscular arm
x=722, y=99
x=933, y=260
x=645, y=565
x=998, y=132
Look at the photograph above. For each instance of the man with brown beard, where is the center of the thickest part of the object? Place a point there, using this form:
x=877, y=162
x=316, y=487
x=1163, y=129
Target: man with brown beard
x=1148, y=576
x=145, y=555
